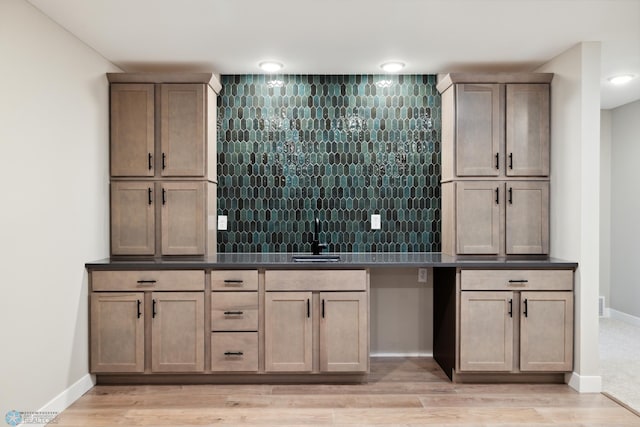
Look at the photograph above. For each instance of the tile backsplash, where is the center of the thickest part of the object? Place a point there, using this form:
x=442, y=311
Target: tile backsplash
x=337, y=147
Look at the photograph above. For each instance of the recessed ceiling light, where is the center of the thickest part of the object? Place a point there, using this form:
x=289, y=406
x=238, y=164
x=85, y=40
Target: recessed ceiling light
x=392, y=67
x=621, y=79
x=270, y=66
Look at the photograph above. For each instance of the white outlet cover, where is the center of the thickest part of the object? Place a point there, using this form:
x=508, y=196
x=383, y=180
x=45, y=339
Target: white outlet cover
x=222, y=222
x=375, y=222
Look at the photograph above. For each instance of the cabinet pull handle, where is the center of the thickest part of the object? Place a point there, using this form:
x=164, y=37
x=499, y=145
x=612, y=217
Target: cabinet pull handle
x=497, y=195
x=497, y=160
x=308, y=308
x=150, y=159
x=149, y=194
x=233, y=281
x=164, y=196
x=153, y=310
x=233, y=353
x=511, y=307
x=510, y=160
x=164, y=161
x=323, y=309
x=233, y=313
x=526, y=308
x=519, y=281
x=510, y=195
x=139, y=312
x=146, y=281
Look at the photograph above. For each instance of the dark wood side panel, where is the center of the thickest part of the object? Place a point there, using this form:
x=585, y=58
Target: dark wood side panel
x=444, y=318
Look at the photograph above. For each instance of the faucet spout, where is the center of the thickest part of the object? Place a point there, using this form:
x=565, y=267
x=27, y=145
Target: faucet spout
x=316, y=246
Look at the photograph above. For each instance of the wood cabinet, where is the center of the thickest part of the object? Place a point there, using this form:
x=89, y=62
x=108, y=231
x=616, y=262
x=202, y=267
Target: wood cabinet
x=288, y=332
x=512, y=326
x=133, y=218
x=235, y=321
x=177, y=338
x=495, y=138
x=117, y=332
x=132, y=312
x=495, y=217
x=316, y=321
x=162, y=133
x=180, y=207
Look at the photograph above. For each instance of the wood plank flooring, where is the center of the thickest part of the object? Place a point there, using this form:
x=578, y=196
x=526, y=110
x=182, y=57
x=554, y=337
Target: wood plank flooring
x=400, y=392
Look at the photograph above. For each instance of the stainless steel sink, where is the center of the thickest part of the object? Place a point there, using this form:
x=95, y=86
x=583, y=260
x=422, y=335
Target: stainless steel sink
x=315, y=258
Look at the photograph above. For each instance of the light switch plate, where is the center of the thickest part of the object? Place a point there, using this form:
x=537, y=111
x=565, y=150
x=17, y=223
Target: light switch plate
x=375, y=222
x=222, y=222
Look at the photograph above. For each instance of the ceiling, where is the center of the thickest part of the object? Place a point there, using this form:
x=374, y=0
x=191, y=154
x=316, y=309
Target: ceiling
x=355, y=36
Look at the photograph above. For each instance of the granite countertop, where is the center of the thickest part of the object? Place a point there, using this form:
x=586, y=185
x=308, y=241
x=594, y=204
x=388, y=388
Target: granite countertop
x=347, y=260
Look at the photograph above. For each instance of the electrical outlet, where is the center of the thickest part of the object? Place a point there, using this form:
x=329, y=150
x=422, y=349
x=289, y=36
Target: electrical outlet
x=222, y=222
x=375, y=222
x=422, y=275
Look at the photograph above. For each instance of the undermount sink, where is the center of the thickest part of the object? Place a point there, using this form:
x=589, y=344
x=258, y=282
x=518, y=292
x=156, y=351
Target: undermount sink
x=315, y=258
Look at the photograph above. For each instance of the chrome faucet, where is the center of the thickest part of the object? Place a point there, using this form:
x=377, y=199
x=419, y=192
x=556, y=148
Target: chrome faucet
x=316, y=246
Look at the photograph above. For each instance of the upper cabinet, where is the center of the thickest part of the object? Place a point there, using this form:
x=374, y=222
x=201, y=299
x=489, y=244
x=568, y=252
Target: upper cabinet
x=132, y=130
x=495, y=125
x=163, y=163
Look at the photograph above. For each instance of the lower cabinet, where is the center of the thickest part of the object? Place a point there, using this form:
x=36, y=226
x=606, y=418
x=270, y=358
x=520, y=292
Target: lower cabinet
x=127, y=310
x=117, y=332
x=317, y=324
x=520, y=330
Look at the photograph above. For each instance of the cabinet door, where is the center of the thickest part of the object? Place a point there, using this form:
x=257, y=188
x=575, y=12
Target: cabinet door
x=183, y=218
x=486, y=331
x=344, y=344
x=527, y=217
x=182, y=131
x=117, y=332
x=132, y=218
x=478, y=127
x=288, y=332
x=478, y=217
x=546, y=331
x=132, y=129
x=527, y=130
x=177, y=338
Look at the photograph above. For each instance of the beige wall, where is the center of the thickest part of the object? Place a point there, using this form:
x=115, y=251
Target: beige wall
x=401, y=312
x=625, y=209
x=575, y=193
x=605, y=205
x=54, y=208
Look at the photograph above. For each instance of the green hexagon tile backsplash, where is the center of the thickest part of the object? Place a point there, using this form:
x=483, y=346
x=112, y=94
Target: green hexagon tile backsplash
x=337, y=147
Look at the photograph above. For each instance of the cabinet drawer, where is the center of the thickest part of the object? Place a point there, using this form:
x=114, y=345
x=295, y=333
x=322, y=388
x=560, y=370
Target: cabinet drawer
x=556, y=280
x=165, y=280
x=234, y=311
x=234, y=351
x=316, y=280
x=234, y=280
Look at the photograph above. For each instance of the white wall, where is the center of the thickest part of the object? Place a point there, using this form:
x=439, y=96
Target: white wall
x=575, y=184
x=401, y=313
x=625, y=209
x=605, y=205
x=54, y=204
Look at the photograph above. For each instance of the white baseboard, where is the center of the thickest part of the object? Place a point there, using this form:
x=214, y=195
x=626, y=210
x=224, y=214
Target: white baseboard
x=412, y=354
x=628, y=318
x=584, y=383
x=63, y=400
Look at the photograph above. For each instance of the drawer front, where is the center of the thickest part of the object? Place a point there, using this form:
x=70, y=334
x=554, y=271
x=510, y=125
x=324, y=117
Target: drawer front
x=234, y=280
x=234, y=311
x=499, y=280
x=234, y=351
x=316, y=280
x=165, y=280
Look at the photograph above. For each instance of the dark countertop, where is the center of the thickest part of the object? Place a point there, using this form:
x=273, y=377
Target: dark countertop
x=347, y=260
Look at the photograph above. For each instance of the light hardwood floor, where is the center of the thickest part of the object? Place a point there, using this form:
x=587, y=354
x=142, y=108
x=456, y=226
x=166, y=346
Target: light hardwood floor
x=400, y=392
